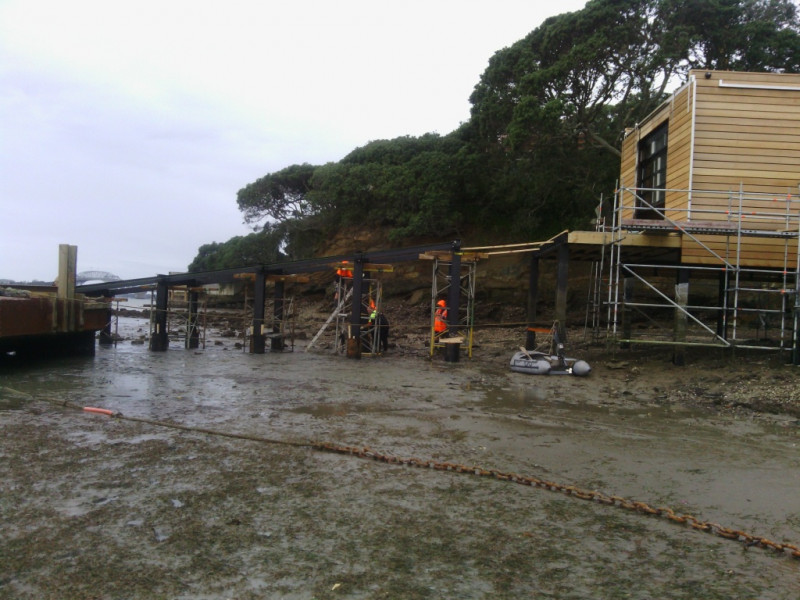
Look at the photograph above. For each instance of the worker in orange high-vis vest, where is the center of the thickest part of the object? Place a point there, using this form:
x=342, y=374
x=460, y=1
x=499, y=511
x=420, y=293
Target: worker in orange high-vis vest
x=343, y=272
x=440, y=318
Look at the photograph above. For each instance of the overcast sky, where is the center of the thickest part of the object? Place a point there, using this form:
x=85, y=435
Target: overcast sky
x=126, y=128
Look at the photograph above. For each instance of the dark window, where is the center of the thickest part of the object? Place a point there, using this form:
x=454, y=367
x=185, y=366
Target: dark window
x=652, y=176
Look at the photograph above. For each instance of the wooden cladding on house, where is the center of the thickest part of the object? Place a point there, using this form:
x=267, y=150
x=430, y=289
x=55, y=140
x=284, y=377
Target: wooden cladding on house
x=733, y=158
x=747, y=133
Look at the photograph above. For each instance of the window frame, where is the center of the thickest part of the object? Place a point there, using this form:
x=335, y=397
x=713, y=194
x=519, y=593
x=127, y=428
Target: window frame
x=651, y=173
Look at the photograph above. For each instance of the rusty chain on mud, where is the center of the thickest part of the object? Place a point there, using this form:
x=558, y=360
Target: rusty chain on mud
x=642, y=507
x=570, y=490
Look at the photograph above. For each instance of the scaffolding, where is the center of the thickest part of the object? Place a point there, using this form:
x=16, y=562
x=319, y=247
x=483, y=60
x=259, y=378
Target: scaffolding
x=370, y=309
x=440, y=290
x=732, y=303
x=282, y=326
x=371, y=302
x=278, y=330
x=182, y=316
x=594, y=302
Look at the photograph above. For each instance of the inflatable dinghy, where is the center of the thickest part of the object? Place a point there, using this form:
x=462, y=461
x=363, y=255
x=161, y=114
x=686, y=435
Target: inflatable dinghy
x=538, y=363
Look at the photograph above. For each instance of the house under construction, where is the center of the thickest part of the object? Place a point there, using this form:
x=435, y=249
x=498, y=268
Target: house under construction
x=700, y=246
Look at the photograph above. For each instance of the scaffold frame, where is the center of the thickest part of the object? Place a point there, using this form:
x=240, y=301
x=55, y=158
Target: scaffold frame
x=749, y=299
x=440, y=286
x=371, y=306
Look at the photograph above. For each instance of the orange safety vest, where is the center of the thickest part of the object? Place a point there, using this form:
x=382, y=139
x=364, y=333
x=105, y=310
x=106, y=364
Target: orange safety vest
x=440, y=320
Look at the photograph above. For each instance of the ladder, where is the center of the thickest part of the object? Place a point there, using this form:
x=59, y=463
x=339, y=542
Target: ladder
x=336, y=312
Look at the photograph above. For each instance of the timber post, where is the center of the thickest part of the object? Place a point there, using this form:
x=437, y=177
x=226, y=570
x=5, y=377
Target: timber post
x=65, y=294
x=159, y=340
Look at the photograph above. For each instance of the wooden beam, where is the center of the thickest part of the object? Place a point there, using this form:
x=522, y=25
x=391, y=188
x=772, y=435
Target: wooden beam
x=289, y=278
x=473, y=248
x=447, y=255
x=600, y=238
x=378, y=268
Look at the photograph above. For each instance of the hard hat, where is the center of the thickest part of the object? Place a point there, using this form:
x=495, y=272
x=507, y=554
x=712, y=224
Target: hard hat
x=441, y=303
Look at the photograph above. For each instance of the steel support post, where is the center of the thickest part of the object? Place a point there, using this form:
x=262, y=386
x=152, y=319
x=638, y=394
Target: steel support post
x=276, y=342
x=354, y=334
x=722, y=302
x=258, y=339
x=533, y=299
x=562, y=280
x=453, y=300
x=159, y=340
x=681, y=319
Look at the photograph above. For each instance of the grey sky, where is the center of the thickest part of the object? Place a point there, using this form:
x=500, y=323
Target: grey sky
x=126, y=128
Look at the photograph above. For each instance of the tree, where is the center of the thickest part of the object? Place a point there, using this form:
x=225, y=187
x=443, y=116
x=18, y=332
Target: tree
x=581, y=77
x=546, y=121
x=259, y=248
x=278, y=196
x=410, y=185
x=734, y=35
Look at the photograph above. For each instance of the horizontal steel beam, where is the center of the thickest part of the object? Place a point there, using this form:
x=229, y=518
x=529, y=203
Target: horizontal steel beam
x=310, y=265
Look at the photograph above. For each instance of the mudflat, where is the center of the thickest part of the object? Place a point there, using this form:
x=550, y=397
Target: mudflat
x=129, y=506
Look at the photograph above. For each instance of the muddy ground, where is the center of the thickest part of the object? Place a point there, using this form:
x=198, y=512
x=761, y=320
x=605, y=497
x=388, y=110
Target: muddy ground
x=99, y=507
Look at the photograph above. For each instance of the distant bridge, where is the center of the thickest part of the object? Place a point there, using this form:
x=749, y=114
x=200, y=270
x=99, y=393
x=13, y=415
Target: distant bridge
x=104, y=276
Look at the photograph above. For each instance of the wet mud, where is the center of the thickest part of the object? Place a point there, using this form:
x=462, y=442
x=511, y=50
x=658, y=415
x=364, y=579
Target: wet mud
x=99, y=507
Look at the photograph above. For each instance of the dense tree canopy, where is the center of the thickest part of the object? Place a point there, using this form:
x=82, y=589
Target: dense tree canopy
x=413, y=186
x=258, y=248
x=541, y=143
x=278, y=196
